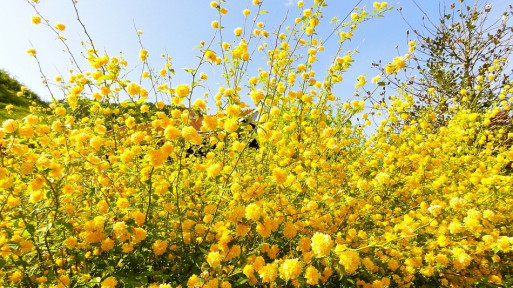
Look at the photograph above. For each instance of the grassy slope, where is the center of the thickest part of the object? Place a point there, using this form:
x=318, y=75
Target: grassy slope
x=8, y=89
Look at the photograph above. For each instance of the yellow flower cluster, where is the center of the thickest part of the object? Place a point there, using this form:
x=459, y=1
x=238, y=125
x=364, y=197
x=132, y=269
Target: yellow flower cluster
x=131, y=188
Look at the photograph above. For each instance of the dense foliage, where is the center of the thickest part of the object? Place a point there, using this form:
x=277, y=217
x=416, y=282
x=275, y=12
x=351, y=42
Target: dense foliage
x=12, y=105
x=117, y=199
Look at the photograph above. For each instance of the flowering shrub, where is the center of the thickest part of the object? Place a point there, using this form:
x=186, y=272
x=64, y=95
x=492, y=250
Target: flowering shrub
x=103, y=192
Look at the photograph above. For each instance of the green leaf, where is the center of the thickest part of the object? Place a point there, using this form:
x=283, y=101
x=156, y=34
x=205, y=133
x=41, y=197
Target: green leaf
x=142, y=100
x=68, y=226
x=2, y=263
x=242, y=281
x=189, y=70
x=381, y=83
x=264, y=12
x=30, y=228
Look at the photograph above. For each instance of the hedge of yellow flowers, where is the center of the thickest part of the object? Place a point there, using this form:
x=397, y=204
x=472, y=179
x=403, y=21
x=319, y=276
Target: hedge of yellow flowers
x=92, y=196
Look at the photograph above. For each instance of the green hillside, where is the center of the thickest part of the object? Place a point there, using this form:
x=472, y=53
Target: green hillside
x=9, y=88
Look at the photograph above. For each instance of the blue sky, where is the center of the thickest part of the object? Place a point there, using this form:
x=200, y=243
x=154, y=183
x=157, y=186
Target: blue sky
x=176, y=27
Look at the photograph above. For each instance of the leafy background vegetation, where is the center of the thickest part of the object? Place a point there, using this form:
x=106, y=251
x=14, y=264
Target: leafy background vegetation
x=9, y=88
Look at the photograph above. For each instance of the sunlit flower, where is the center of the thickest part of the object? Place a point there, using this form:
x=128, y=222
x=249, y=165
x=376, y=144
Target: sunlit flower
x=312, y=275
x=31, y=52
x=60, y=26
x=36, y=19
x=159, y=247
x=214, y=259
x=182, y=90
x=280, y=175
x=237, y=31
x=109, y=282
x=290, y=269
x=321, y=244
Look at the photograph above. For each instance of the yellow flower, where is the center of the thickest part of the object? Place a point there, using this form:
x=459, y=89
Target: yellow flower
x=105, y=90
x=109, y=282
x=246, y=12
x=314, y=22
x=138, y=137
x=192, y=281
x=321, y=244
x=189, y=133
x=107, y=244
x=369, y=265
x=289, y=231
x=133, y=89
x=60, y=26
x=399, y=62
x=26, y=131
x=36, y=19
x=160, y=104
x=214, y=259
x=31, y=52
x=248, y=270
x=138, y=234
x=159, y=247
x=393, y=264
x=127, y=248
x=143, y=54
x=215, y=24
x=122, y=203
x=182, y=90
x=280, y=175
x=237, y=31
x=60, y=111
x=350, y=260
x=138, y=217
x=361, y=81
x=70, y=242
x=268, y=273
x=16, y=277
x=210, y=55
x=233, y=110
x=231, y=125
x=10, y=126
x=290, y=269
x=130, y=122
x=121, y=231
x=210, y=122
x=172, y=133
x=199, y=104
x=156, y=157
x=253, y=212
x=312, y=275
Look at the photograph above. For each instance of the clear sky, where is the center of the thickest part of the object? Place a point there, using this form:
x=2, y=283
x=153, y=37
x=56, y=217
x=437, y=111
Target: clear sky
x=176, y=27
